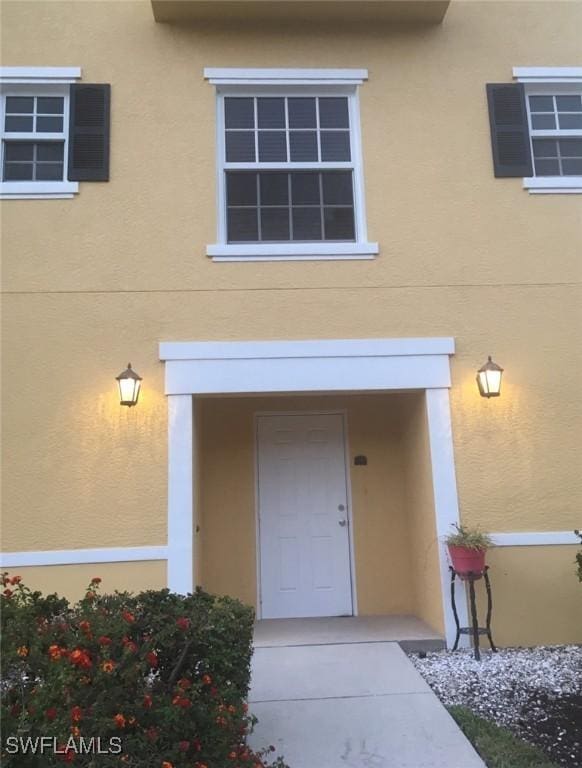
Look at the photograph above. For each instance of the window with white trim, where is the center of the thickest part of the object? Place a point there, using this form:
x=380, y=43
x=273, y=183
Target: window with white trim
x=553, y=103
x=289, y=168
x=34, y=135
x=555, y=121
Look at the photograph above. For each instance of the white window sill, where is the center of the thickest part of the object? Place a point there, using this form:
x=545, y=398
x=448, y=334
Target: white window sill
x=292, y=251
x=41, y=190
x=553, y=185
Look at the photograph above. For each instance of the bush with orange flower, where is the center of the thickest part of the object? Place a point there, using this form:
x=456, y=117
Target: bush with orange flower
x=165, y=674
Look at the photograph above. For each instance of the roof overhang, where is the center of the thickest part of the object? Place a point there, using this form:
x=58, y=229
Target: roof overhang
x=409, y=12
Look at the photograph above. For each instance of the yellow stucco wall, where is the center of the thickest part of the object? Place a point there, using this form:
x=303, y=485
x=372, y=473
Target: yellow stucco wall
x=93, y=282
x=228, y=495
x=71, y=581
x=423, y=558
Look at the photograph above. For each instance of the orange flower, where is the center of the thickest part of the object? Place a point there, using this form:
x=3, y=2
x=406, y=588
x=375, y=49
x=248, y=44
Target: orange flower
x=119, y=720
x=22, y=651
x=51, y=713
x=200, y=765
x=129, y=617
x=232, y=755
x=167, y=764
x=96, y=580
x=131, y=720
x=16, y=579
x=206, y=680
x=76, y=714
x=180, y=701
x=152, y=659
x=80, y=659
x=147, y=701
x=232, y=709
x=108, y=666
x=84, y=626
x=183, y=622
x=76, y=731
x=104, y=640
x=90, y=596
x=7, y=593
x=55, y=652
x=184, y=683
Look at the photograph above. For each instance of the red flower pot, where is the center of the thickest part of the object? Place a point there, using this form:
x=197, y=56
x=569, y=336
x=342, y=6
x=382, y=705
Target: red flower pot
x=467, y=561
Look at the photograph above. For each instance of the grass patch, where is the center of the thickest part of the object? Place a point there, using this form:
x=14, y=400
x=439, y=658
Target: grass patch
x=498, y=747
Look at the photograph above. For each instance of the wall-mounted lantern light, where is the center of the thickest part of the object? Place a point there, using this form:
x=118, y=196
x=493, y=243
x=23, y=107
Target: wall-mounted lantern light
x=129, y=385
x=489, y=379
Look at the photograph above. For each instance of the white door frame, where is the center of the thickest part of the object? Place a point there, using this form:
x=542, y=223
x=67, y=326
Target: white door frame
x=316, y=366
x=346, y=446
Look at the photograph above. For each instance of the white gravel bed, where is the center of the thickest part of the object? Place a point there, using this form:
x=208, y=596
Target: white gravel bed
x=523, y=689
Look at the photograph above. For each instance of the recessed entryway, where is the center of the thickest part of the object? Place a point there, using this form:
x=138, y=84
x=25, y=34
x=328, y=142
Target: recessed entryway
x=304, y=531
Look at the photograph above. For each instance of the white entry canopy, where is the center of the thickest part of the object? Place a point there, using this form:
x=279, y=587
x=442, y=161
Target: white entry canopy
x=237, y=367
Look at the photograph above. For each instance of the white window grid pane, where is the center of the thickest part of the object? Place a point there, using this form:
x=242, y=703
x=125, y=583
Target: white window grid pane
x=552, y=133
x=290, y=206
x=559, y=156
x=288, y=130
x=35, y=114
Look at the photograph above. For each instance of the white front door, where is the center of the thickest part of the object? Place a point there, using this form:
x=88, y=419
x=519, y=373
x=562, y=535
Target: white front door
x=303, y=519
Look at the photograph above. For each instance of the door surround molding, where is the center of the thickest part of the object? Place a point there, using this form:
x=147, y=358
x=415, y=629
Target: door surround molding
x=274, y=367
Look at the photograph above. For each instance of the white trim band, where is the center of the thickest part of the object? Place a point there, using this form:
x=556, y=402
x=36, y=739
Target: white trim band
x=548, y=74
x=241, y=76
x=535, y=538
x=39, y=74
x=291, y=251
x=80, y=556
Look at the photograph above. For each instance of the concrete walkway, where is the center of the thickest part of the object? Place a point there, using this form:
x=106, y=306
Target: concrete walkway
x=352, y=705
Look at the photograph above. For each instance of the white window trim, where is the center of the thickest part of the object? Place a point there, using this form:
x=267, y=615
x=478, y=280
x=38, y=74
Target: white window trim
x=48, y=81
x=554, y=80
x=276, y=82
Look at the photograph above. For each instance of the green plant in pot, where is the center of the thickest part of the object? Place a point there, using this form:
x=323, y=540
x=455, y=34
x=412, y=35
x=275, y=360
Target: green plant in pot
x=467, y=548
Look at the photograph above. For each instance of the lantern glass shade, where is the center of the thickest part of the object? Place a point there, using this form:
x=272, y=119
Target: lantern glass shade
x=129, y=383
x=489, y=379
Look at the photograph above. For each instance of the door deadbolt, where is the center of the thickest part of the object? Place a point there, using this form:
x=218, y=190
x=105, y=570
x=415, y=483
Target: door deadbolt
x=342, y=523
x=341, y=507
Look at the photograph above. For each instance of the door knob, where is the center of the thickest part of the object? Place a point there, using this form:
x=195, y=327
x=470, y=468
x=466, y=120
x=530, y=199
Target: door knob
x=342, y=523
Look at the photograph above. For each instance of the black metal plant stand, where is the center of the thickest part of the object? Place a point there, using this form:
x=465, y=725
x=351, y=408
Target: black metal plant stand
x=474, y=630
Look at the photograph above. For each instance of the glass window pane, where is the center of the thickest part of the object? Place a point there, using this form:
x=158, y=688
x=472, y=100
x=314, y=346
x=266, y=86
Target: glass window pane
x=545, y=148
x=335, y=145
x=271, y=113
x=275, y=224
x=274, y=188
x=543, y=121
x=570, y=122
x=302, y=113
x=239, y=113
x=272, y=147
x=16, y=124
x=333, y=112
x=571, y=147
x=305, y=189
x=17, y=171
x=241, y=188
x=337, y=188
x=49, y=124
x=572, y=167
x=49, y=172
x=541, y=103
x=20, y=104
x=18, y=150
x=569, y=103
x=339, y=223
x=303, y=146
x=52, y=150
x=242, y=225
x=240, y=147
x=49, y=105
x=306, y=223
x=547, y=167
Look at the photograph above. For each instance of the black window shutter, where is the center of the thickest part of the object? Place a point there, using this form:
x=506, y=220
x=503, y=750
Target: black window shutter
x=89, y=132
x=509, y=130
